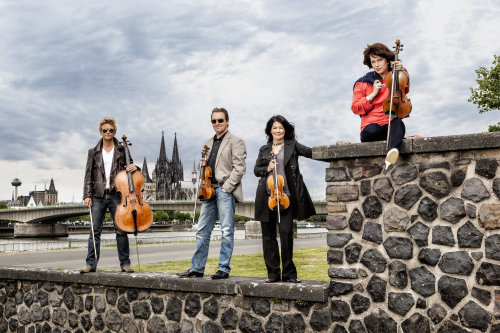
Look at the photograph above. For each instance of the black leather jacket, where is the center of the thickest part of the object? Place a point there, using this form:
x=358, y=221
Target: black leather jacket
x=95, y=178
x=300, y=200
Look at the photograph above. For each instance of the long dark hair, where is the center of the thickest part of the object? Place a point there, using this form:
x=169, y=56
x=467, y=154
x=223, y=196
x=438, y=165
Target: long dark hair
x=289, y=128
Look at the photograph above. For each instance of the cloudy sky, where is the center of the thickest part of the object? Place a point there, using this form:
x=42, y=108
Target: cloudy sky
x=163, y=65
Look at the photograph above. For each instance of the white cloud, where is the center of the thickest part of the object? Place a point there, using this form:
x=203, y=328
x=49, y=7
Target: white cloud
x=162, y=66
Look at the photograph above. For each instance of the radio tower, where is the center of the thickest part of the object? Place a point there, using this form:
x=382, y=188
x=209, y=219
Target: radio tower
x=16, y=182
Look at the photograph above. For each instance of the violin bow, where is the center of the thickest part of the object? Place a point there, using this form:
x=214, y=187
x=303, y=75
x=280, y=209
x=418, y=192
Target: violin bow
x=390, y=107
x=396, y=51
x=276, y=187
x=197, y=190
x=92, y=229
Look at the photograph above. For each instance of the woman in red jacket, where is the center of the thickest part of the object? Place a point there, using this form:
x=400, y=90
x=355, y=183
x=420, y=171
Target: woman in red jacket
x=368, y=99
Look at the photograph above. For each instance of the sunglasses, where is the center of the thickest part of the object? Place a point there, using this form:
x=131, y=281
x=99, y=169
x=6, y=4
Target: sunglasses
x=105, y=130
x=220, y=121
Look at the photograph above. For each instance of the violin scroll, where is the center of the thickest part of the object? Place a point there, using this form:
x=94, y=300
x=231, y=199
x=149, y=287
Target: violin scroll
x=398, y=47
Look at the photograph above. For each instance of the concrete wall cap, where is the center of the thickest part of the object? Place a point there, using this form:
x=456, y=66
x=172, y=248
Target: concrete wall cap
x=436, y=144
x=314, y=291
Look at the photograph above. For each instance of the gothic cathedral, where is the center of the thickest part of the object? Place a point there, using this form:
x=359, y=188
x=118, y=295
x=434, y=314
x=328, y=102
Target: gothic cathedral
x=168, y=176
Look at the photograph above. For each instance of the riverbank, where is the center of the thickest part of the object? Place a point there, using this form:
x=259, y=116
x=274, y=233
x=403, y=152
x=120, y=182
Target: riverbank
x=108, y=239
x=154, y=253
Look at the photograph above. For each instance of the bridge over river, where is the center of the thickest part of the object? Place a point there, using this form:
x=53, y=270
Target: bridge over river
x=45, y=219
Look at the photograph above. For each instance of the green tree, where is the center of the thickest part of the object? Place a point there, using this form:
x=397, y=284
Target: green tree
x=181, y=217
x=487, y=95
x=240, y=218
x=317, y=218
x=161, y=216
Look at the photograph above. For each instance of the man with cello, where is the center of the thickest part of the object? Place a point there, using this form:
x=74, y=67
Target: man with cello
x=370, y=93
x=226, y=159
x=104, y=161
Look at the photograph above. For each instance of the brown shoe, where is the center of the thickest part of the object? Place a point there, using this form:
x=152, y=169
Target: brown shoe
x=87, y=269
x=127, y=269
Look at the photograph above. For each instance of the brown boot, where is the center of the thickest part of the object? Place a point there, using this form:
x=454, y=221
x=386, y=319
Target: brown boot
x=127, y=269
x=87, y=269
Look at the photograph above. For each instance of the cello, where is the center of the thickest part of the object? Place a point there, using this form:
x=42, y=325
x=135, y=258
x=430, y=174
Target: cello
x=278, y=200
x=396, y=102
x=132, y=215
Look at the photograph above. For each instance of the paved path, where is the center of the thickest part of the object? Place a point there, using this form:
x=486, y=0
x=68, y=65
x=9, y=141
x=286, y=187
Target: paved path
x=75, y=258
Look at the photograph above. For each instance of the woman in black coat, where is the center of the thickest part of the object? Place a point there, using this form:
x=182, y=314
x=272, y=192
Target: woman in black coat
x=281, y=141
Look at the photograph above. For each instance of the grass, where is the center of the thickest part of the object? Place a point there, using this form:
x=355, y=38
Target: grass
x=310, y=262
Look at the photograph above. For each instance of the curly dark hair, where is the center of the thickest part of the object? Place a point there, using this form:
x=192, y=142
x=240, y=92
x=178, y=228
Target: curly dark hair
x=289, y=128
x=377, y=49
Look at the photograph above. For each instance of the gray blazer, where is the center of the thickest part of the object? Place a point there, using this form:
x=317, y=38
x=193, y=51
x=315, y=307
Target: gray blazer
x=230, y=164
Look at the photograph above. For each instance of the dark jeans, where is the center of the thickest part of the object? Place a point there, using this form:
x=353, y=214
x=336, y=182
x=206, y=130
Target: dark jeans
x=375, y=132
x=270, y=246
x=99, y=207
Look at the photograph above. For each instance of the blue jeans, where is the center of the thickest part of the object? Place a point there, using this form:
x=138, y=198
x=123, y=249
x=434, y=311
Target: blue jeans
x=221, y=205
x=99, y=207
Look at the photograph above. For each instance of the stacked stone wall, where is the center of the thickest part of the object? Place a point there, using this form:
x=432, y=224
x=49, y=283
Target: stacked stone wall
x=416, y=248
x=36, y=300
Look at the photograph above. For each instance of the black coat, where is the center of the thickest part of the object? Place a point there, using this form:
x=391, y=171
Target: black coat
x=300, y=201
x=94, y=183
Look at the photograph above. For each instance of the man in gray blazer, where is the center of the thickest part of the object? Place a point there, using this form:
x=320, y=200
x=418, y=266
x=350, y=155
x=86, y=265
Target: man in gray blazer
x=226, y=157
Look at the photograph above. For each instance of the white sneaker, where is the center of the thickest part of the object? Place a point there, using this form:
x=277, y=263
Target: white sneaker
x=391, y=157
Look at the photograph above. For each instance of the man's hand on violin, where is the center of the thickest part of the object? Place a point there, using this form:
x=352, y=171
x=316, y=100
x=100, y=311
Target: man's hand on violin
x=131, y=168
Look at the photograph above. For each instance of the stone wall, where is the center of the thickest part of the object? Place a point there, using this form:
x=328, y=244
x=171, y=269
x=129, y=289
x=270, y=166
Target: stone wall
x=416, y=248
x=40, y=300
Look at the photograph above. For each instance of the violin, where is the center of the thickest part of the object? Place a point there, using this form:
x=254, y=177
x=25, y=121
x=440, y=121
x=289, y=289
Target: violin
x=278, y=200
x=396, y=102
x=132, y=214
x=205, y=190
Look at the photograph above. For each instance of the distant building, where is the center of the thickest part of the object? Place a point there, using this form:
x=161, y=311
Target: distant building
x=46, y=197
x=38, y=198
x=167, y=182
x=31, y=203
x=22, y=201
x=149, y=192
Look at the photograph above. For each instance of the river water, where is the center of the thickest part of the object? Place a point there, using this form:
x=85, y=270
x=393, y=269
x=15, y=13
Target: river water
x=108, y=239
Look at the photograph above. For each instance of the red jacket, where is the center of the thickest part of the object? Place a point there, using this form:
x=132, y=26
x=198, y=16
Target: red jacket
x=370, y=112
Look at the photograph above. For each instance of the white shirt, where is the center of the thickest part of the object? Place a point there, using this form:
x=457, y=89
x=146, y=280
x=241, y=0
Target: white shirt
x=107, y=158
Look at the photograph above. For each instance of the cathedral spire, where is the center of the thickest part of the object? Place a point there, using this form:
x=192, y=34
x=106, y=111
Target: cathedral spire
x=163, y=153
x=145, y=171
x=175, y=152
x=52, y=187
x=194, y=177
